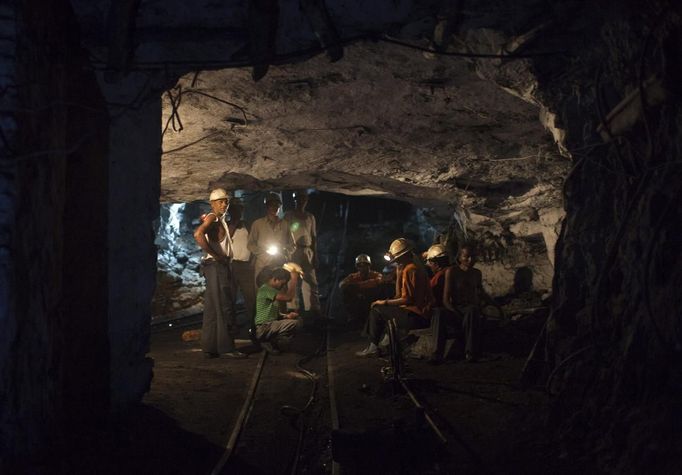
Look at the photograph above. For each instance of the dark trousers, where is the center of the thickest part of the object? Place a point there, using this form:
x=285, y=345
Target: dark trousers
x=466, y=320
x=217, y=325
x=404, y=319
x=242, y=272
x=357, y=302
x=277, y=330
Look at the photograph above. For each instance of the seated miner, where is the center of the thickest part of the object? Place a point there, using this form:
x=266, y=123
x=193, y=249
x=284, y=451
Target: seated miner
x=464, y=296
x=272, y=325
x=218, y=324
x=411, y=307
x=438, y=260
x=359, y=289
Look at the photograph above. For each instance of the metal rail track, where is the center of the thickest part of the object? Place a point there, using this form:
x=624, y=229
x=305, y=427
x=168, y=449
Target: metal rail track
x=242, y=418
x=247, y=407
x=241, y=423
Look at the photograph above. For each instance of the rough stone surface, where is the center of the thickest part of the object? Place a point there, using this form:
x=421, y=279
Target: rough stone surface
x=612, y=342
x=53, y=321
x=384, y=121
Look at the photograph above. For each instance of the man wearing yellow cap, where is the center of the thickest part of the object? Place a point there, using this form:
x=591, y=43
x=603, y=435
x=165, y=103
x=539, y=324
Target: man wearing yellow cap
x=412, y=304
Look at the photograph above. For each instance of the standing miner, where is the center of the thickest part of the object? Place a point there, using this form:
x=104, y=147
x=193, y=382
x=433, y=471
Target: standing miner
x=270, y=240
x=213, y=237
x=303, y=227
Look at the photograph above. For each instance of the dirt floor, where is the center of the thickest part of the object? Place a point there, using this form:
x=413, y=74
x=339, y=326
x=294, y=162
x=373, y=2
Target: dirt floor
x=490, y=423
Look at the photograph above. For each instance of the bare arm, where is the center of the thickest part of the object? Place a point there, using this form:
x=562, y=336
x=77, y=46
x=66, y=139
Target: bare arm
x=447, y=293
x=200, y=237
x=400, y=297
x=313, y=243
x=346, y=282
x=288, y=294
x=398, y=282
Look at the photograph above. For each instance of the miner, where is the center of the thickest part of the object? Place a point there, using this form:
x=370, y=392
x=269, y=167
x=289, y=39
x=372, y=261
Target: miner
x=213, y=237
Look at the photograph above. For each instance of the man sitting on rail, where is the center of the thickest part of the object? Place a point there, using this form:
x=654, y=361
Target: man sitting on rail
x=411, y=307
x=272, y=325
x=360, y=289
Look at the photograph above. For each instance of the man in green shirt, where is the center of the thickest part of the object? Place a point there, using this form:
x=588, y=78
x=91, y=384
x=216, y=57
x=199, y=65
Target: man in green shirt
x=279, y=287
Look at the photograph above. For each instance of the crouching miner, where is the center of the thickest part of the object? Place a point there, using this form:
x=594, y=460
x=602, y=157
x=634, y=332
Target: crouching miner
x=212, y=236
x=271, y=325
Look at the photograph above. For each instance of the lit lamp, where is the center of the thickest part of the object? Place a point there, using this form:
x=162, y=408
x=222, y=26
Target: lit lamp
x=387, y=257
x=272, y=250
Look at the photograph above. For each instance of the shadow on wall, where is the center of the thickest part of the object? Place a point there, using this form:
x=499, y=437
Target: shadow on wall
x=523, y=280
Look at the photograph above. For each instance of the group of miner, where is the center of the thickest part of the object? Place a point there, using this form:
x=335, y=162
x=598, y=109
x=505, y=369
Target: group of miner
x=275, y=260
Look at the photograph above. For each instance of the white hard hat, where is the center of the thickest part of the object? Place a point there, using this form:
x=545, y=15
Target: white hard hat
x=218, y=194
x=272, y=197
x=398, y=248
x=436, y=251
x=363, y=259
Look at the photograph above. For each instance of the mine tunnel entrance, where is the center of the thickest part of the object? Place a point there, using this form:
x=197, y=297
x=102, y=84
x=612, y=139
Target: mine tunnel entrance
x=517, y=273
x=504, y=115
x=511, y=264
x=376, y=170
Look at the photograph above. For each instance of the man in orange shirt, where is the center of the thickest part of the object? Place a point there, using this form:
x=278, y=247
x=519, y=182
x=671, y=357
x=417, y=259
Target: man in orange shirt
x=360, y=288
x=411, y=308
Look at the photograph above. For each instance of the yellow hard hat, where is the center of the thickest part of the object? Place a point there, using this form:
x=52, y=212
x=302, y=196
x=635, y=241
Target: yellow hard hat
x=398, y=248
x=293, y=267
x=436, y=251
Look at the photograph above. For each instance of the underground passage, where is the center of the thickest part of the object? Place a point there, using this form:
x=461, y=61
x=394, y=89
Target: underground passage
x=340, y=237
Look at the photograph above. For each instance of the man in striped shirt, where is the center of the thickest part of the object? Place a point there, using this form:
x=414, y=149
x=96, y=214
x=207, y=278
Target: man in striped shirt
x=271, y=326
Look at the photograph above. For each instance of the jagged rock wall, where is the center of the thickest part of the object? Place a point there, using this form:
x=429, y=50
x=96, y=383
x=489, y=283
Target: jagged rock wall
x=373, y=224
x=53, y=317
x=613, y=340
x=134, y=170
x=620, y=326
x=616, y=302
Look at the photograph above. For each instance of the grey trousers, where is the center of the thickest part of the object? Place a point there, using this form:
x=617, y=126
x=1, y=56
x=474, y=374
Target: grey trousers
x=309, y=288
x=242, y=272
x=277, y=329
x=217, y=326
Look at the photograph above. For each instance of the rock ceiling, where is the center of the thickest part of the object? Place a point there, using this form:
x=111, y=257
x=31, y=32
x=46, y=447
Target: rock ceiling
x=384, y=120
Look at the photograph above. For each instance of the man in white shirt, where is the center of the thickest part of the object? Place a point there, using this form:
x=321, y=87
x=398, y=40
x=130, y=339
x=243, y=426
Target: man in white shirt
x=303, y=227
x=242, y=267
x=269, y=238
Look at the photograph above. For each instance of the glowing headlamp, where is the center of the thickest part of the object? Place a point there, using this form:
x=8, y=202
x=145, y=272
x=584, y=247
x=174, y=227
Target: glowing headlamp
x=272, y=250
x=387, y=257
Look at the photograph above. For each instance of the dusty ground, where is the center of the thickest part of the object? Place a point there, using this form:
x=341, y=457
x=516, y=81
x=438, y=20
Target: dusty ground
x=491, y=424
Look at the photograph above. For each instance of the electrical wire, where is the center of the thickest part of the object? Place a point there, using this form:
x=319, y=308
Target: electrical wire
x=304, y=53
x=387, y=39
x=182, y=147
